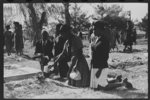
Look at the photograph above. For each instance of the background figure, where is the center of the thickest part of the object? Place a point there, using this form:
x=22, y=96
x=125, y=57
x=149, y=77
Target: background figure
x=21, y=39
x=91, y=38
x=113, y=39
x=62, y=66
x=8, y=40
x=80, y=35
x=44, y=47
x=73, y=51
x=134, y=36
x=18, y=38
x=128, y=41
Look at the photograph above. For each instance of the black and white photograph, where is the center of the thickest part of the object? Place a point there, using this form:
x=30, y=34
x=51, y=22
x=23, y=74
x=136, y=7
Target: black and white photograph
x=75, y=50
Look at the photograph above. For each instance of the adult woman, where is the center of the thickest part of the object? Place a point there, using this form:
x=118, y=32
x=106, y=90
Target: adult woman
x=100, y=53
x=18, y=38
x=8, y=40
x=129, y=40
x=62, y=66
x=44, y=47
x=73, y=52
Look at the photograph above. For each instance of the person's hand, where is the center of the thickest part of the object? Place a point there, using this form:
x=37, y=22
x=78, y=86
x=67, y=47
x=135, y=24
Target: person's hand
x=135, y=43
x=51, y=67
x=55, y=58
x=46, y=57
x=98, y=73
x=51, y=64
x=38, y=54
x=66, y=45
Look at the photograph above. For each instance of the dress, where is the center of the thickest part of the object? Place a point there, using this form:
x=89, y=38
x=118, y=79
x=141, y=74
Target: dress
x=19, y=40
x=44, y=48
x=8, y=40
x=82, y=66
x=100, y=55
x=62, y=65
x=129, y=39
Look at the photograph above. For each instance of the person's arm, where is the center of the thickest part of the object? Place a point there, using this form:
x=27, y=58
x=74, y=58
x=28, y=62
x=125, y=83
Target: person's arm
x=37, y=53
x=50, y=49
x=73, y=63
x=98, y=44
x=62, y=54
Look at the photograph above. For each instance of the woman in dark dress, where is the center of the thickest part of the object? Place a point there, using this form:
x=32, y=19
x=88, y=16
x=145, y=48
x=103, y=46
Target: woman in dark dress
x=73, y=52
x=100, y=55
x=18, y=38
x=44, y=47
x=62, y=66
x=129, y=40
x=8, y=40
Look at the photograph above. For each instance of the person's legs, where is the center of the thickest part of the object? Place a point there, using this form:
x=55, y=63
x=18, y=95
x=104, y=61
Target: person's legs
x=8, y=53
x=21, y=52
x=124, y=48
x=17, y=51
x=63, y=69
x=130, y=48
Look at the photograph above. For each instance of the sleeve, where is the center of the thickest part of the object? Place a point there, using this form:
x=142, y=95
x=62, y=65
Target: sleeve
x=37, y=47
x=78, y=43
x=96, y=45
x=50, y=48
x=66, y=45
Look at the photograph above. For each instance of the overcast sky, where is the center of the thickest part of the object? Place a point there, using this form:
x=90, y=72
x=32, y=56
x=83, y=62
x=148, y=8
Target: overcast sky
x=138, y=10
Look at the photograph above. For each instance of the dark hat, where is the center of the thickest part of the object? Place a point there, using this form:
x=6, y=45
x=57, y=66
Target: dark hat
x=65, y=28
x=16, y=23
x=100, y=24
x=7, y=27
x=45, y=34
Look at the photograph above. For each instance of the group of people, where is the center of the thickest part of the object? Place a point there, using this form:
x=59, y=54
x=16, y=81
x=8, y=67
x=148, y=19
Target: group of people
x=67, y=52
x=69, y=48
x=14, y=39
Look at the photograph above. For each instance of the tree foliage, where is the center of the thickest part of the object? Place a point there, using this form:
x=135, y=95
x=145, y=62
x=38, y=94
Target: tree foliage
x=112, y=16
x=144, y=25
x=37, y=15
x=79, y=19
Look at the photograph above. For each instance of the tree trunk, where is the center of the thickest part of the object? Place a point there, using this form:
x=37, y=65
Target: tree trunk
x=35, y=24
x=67, y=14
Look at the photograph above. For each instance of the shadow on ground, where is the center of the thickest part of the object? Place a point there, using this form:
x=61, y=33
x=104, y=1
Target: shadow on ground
x=123, y=65
x=125, y=93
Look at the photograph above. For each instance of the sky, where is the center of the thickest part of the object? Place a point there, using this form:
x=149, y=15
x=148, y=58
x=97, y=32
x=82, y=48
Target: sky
x=138, y=10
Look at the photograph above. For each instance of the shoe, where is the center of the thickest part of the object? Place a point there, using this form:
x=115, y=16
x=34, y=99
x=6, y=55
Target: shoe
x=99, y=87
x=127, y=84
x=119, y=78
x=40, y=78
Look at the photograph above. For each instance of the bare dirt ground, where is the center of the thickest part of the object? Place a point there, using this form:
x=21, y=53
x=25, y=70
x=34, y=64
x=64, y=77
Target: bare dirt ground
x=134, y=66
